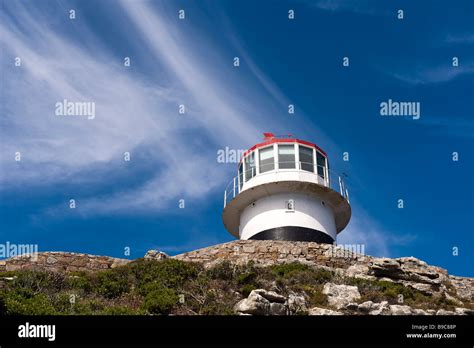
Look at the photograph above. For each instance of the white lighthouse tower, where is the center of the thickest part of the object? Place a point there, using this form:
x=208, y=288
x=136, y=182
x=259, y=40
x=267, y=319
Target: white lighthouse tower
x=283, y=192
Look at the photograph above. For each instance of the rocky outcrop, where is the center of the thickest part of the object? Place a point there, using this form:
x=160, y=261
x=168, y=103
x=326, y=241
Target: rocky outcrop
x=61, y=262
x=409, y=271
x=155, y=255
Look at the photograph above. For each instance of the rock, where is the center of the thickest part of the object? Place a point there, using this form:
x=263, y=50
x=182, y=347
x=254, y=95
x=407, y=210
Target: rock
x=400, y=310
x=262, y=302
x=323, y=311
x=453, y=299
x=366, y=306
x=254, y=304
x=444, y=312
x=464, y=287
x=426, y=289
x=407, y=268
x=51, y=260
x=352, y=306
x=296, y=304
x=385, y=267
x=248, y=249
x=359, y=270
x=155, y=255
x=278, y=309
x=340, y=295
x=417, y=311
x=270, y=295
x=463, y=311
x=373, y=308
x=119, y=262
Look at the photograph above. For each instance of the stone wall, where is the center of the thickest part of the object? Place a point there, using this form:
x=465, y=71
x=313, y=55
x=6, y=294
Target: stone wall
x=61, y=262
x=269, y=252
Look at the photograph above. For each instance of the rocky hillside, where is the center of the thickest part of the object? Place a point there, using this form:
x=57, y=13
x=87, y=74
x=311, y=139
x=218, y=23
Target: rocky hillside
x=240, y=277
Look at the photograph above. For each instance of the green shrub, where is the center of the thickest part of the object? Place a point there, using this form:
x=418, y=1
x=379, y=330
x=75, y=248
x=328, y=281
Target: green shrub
x=316, y=296
x=39, y=304
x=160, y=301
x=120, y=310
x=32, y=282
x=247, y=289
x=113, y=283
x=80, y=281
x=246, y=278
x=169, y=273
x=223, y=270
x=286, y=269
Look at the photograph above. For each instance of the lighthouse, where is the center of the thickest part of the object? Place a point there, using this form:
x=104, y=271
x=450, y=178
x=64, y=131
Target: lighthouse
x=284, y=190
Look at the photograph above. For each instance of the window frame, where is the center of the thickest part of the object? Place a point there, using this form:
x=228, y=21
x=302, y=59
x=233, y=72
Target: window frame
x=294, y=156
x=260, y=160
x=246, y=170
x=312, y=158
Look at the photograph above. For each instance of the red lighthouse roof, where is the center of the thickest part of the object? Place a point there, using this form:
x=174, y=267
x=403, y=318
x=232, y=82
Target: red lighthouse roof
x=270, y=138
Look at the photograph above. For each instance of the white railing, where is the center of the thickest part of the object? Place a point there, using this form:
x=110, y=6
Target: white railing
x=236, y=185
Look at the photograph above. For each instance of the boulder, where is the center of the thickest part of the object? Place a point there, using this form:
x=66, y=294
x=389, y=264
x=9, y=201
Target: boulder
x=444, y=312
x=296, y=304
x=463, y=311
x=254, y=304
x=277, y=309
x=155, y=255
x=340, y=296
x=374, y=308
x=270, y=295
x=262, y=302
x=400, y=310
x=323, y=311
x=407, y=268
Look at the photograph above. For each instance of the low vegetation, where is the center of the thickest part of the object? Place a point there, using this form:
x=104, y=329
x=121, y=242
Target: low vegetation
x=147, y=287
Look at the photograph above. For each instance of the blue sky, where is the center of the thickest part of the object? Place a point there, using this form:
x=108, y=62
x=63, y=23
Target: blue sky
x=135, y=204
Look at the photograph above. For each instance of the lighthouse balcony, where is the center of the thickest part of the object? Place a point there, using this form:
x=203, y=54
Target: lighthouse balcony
x=285, y=171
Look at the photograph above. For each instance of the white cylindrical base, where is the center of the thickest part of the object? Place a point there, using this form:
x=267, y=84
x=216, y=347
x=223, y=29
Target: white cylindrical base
x=271, y=212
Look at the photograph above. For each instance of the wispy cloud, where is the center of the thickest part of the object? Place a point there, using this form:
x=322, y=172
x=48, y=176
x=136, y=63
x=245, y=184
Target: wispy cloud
x=466, y=38
x=364, y=7
x=433, y=74
x=132, y=113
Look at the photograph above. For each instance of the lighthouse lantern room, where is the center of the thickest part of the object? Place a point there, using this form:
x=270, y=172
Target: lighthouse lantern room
x=283, y=191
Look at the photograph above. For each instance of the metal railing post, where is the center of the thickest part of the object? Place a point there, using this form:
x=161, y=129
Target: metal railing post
x=234, y=189
x=225, y=197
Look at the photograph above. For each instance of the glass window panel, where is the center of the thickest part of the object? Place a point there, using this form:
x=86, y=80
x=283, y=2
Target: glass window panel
x=241, y=175
x=286, y=156
x=249, y=166
x=306, y=158
x=321, y=160
x=267, y=159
